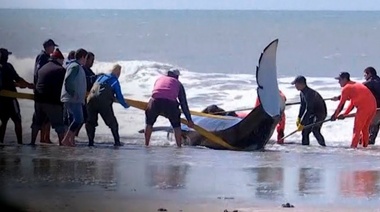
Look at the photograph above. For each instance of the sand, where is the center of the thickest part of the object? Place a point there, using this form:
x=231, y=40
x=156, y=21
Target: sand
x=134, y=178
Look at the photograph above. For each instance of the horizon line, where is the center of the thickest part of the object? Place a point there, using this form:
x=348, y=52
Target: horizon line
x=204, y=9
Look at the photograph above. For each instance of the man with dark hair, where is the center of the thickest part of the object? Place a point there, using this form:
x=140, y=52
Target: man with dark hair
x=40, y=61
x=47, y=98
x=90, y=75
x=90, y=79
x=9, y=107
x=364, y=101
x=373, y=84
x=73, y=94
x=166, y=90
x=44, y=56
x=70, y=58
x=312, y=110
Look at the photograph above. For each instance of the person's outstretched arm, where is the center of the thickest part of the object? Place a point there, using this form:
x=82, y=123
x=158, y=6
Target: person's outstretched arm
x=183, y=102
x=119, y=96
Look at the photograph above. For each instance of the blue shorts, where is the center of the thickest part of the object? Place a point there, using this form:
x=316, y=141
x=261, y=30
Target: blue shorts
x=75, y=111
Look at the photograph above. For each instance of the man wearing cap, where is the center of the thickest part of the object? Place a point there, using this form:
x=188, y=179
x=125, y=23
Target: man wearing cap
x=100, y=101
x=164, y=102
x=373, y=84
x=364, y=101
x=44, y=56
x=47, y=98
x=40, y=61
x=312, y=110
x=9, y=107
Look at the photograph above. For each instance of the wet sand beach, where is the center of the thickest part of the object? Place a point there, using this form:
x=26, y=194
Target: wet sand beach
x=135, y=178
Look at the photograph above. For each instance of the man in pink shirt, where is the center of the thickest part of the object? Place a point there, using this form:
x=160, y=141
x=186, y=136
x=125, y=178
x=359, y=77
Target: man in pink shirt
x=164, y=102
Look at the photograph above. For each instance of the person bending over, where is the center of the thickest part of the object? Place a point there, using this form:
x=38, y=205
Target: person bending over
x=164, y=102
x=100, y=100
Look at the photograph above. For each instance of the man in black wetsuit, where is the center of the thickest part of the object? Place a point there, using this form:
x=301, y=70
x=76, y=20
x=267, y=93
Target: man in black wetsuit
x=373, y=84
x=313, y=109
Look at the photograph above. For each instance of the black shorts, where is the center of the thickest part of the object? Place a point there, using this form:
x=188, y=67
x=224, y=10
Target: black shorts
x=9, y=109
x=165, y=107
x=48, y=113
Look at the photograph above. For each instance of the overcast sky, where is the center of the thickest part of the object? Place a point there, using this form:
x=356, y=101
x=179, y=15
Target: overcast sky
x=197, y=4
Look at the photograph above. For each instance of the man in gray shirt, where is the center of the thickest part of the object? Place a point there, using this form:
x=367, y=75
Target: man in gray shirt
x=73, y=94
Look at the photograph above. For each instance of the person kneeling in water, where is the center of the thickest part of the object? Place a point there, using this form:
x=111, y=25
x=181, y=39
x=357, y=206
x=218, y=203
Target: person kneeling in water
x=164, y=102
x=100, y=100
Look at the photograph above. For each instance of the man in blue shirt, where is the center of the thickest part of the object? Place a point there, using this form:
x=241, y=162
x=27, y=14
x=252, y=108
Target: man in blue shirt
x=100, y=100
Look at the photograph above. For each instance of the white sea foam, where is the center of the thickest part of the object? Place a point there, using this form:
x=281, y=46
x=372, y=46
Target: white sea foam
x=229, y=91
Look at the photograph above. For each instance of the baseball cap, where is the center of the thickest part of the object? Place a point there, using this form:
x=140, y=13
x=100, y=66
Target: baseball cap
x=57, y=54
x=299, y=79
x=343, y=75
x=5, y=51
x=49, y=42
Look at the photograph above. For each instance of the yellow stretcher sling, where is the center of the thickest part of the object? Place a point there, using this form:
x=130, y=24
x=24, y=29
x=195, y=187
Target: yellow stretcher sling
x=142, y=106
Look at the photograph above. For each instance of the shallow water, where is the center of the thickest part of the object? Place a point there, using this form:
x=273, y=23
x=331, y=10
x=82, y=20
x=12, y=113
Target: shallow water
x=192, y=175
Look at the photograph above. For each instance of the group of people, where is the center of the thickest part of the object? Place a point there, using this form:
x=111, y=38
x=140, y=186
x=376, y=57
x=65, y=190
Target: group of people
x=66, y=96
x=365, y=97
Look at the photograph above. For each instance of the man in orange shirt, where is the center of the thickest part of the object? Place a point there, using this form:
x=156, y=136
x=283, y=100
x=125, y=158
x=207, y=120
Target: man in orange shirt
x=281, y=125
x=365, y=103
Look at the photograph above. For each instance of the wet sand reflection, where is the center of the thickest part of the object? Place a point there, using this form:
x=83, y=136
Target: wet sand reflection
x=167, y=176
x=310, y=181
x=185, y=173
x=362, y=183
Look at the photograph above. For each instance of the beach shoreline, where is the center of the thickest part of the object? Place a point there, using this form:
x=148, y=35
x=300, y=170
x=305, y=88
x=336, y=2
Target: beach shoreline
x=133, y=178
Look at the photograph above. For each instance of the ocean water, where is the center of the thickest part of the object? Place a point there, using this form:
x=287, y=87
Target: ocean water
x=216, y=51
